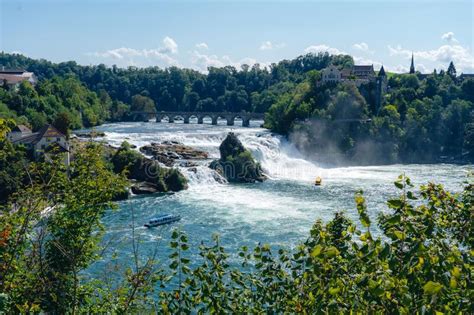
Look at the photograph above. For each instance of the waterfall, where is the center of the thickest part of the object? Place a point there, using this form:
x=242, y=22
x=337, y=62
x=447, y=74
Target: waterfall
x=279, y=159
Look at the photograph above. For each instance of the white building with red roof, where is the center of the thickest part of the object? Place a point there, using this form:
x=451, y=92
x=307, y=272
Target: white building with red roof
x=48, y=139
x=13, y=77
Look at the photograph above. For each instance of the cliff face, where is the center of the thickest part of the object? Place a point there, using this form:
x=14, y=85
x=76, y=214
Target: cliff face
x=237, y=163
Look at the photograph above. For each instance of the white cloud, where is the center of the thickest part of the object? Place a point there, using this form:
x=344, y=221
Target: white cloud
x=128, y=53
x=366, y=61
x=202, y=46
x=397, y=69
x=461, y=56
x=323, y=48
x=449, y=37
x=362, y=47
x=405, y=68
x=202, y=61
x=126, y=56
x=170, y=46
x=268, y=45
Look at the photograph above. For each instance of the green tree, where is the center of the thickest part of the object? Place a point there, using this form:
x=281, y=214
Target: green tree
x=451, y=71
x=143, y=103
x=63, y=122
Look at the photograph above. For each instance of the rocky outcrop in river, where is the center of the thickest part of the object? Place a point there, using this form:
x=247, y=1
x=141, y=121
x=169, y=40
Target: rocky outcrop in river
x=148, y=175
x=237, y=163
x=168, y=152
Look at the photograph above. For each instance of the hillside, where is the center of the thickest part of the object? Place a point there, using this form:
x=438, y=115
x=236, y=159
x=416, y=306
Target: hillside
x=420, y=118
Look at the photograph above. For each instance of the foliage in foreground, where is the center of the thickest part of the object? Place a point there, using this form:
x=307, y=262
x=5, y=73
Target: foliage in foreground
x=421, y=265
x=50, y=233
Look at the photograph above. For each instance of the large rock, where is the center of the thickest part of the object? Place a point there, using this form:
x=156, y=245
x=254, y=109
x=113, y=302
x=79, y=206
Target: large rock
x=168, y=152
x=143, y=169
x=231, y=146
x=237, y=163
x=143, y=188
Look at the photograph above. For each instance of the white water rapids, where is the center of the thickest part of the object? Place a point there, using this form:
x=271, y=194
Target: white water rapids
x=279, y=211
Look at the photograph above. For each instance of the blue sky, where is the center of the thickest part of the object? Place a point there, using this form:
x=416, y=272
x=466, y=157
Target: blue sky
x=197, y=34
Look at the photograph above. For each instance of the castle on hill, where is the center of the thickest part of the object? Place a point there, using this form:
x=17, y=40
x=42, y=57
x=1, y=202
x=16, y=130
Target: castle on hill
x=361, y=74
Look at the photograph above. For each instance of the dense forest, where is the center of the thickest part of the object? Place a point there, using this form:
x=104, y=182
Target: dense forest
x=422, y=118
x=221, y=89
x=419, y=264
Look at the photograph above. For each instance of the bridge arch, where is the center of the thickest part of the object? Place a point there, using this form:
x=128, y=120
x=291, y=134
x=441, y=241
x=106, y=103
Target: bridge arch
x=204, y=115
x=186, y=116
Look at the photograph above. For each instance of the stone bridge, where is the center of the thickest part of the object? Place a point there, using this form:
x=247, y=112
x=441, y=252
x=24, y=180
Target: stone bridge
x=186, y=116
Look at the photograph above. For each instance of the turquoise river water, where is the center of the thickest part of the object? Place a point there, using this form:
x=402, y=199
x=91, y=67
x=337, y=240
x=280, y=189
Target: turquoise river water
x=279, y=211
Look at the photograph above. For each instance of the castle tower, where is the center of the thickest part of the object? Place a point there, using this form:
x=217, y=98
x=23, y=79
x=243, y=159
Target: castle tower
x=381, y=88
x=412, y=66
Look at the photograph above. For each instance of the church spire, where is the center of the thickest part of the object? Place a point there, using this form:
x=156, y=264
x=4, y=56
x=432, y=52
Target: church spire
x=412, y=66
x=382, y=72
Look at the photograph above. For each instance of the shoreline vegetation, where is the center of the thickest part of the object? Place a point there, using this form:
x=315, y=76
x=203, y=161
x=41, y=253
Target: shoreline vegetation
x=420, y=263
x=421, y=118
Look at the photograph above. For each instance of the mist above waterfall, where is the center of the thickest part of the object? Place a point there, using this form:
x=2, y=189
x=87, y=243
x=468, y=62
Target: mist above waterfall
x=336, y=144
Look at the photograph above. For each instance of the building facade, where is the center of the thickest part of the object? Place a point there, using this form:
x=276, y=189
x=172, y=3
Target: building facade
x=42, y=143
x=358, y=74
x=331, y=74
x=12, y=78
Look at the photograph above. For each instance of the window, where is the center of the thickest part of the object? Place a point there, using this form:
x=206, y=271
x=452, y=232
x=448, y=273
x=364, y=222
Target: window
x=58, y=139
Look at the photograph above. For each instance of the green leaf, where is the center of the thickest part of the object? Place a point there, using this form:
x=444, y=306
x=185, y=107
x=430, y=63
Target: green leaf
x=331, y=252
x=411, y=196
x=432, y=287
x=334, y=291
x=395, y=203
x=394, y=219
x=364, y=219
x=316, y=251
x=174, y=265
x=399, y=235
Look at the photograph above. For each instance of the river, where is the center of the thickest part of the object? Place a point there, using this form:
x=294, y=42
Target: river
x=279, y=211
